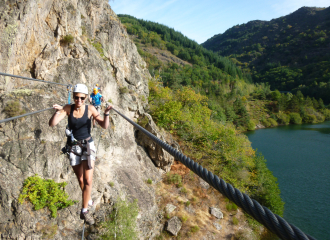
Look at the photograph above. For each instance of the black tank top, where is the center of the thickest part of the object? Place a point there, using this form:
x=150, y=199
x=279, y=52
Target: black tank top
x=81, y=127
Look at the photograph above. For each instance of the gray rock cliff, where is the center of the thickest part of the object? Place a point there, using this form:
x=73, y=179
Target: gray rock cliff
x=71, y=41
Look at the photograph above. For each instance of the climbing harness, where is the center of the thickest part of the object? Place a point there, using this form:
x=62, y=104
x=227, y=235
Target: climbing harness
x=85, y=149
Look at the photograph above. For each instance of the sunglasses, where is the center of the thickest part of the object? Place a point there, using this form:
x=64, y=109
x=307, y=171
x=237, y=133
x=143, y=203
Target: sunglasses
x=77, y=98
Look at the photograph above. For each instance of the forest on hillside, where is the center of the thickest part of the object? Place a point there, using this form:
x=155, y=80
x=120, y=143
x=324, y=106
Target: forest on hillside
x=290, y=53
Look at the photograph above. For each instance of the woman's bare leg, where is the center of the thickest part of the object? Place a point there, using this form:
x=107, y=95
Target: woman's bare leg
x=88, y=181
x=79, y=171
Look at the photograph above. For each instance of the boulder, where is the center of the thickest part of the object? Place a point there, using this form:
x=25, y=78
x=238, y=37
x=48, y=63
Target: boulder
x=170, y=208
x=174, y=225
x=204, y=184
x=216, y=212
x=217, y=226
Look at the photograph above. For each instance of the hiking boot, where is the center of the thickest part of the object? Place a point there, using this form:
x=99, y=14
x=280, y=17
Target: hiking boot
x=87, y=217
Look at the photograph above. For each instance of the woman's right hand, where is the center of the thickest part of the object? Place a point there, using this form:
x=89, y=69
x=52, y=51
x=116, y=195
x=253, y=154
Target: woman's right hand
x=58, y=107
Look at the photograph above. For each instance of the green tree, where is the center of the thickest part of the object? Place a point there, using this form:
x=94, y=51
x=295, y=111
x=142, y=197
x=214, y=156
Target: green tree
x=321, y=104
x=276, y=95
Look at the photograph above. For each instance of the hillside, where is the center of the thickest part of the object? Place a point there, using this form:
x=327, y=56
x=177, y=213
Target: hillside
x=290, y=53
x=191, y=101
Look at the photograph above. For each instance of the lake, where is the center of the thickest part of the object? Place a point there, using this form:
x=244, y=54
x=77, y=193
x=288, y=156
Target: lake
x=299, y=156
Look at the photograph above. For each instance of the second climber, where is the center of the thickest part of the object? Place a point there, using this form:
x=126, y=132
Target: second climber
x=96, y=99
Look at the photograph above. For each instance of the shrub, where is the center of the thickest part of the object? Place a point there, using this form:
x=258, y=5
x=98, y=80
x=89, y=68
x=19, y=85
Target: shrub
x=251, y=126
x=265, y=122
x=143, y=121
x=45, y=193
x=241, y=235
x=310, y=118
x=123, y=90
x=267, y=192
x=173, y=178
x=295, y=118
x=235, y=221
x=194, y=229
x=111, y=184
x=231, y=207
x=184, y=218
x=187, y=203
x=83, y=30
x=184, y=191
x=326, y=113
x=13, y=109
x=272, y=122
x=68, y=39
x=283, y=118
x=98, y=47
x=319, y=117
x=149, y=181
x=122, y=222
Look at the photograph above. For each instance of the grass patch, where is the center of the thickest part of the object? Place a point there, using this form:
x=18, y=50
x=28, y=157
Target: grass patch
x=122, y=222
x=184, y=190
x=13, y=109
x=173, y=178
x=68, y=39
x=194, y=229
x=231, y=207
x=45, y=193
x=123, y=90
x=143, y=121
x=48, y=232
x=235, y=221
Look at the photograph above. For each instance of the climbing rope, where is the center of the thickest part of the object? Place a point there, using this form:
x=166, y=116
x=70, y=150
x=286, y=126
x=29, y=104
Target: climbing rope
x=273, y=222
x=32, y=79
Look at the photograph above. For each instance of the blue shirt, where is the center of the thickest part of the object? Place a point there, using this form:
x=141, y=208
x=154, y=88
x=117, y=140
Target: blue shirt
x=96, y=99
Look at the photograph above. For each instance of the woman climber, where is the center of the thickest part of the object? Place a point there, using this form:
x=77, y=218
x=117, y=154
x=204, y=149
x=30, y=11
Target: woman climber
x=80, y=145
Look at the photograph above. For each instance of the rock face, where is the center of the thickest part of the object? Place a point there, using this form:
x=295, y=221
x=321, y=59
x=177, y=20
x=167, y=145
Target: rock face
x=160, y=157
x=69, y=42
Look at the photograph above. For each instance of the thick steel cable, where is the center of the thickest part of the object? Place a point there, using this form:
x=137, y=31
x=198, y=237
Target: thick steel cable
x=24, y=115
x=31, y=79
x=273, y=222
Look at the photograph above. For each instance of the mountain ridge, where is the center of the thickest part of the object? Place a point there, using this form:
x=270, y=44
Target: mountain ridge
x=290, y=53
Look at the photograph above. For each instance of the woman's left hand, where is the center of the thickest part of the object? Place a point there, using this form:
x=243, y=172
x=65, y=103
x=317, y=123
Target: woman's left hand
x=107, y=110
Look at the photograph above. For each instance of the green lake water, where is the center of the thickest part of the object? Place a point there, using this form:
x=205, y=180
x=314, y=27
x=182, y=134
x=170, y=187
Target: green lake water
x=299, y=156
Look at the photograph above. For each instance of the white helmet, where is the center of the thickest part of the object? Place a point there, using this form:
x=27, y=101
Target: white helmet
x=80, y=88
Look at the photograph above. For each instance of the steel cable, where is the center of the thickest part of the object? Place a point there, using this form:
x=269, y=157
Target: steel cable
x=24, y=115
x=32, y=79
x=273, y=222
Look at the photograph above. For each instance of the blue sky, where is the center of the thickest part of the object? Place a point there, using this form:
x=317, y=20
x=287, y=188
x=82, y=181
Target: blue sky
x=199, y=20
